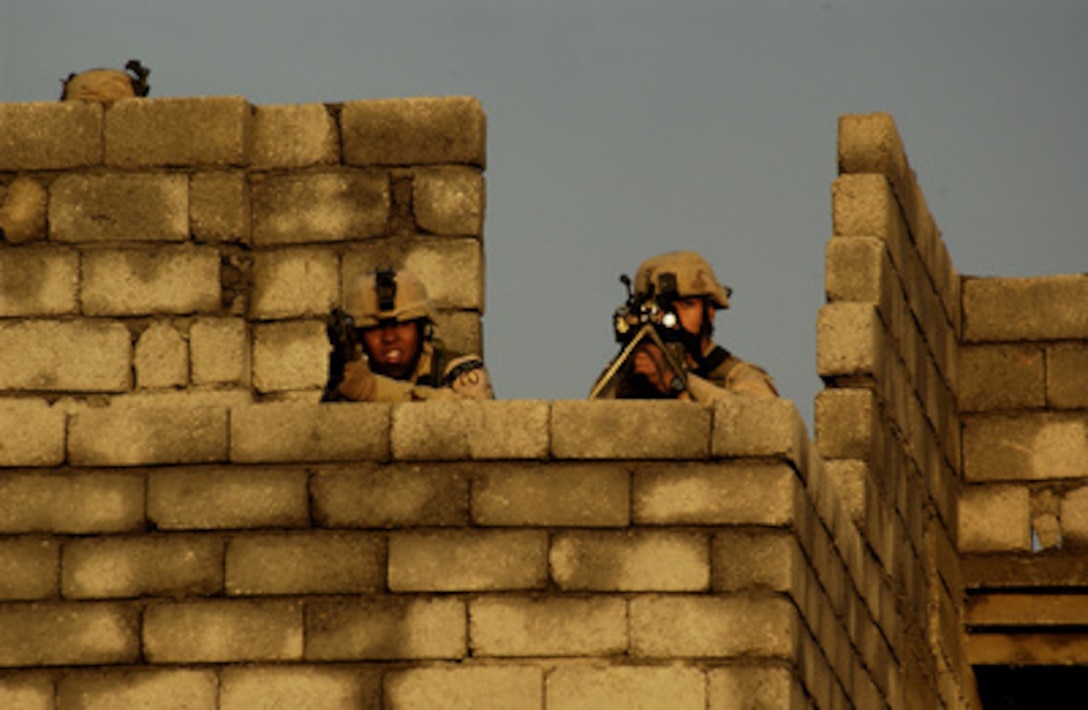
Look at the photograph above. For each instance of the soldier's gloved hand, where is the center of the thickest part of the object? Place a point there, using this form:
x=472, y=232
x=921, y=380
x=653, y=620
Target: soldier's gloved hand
x=650, y=362
x=358, y=383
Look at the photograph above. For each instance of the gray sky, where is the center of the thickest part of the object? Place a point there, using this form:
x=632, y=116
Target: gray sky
x=618, y=129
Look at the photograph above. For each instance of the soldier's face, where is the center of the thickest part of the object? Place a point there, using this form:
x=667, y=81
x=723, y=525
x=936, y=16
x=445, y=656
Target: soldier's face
x=393, y=348
x=691, y=312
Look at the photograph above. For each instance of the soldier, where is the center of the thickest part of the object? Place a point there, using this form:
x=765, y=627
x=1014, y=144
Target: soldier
x=676, y=296
x=387, y=350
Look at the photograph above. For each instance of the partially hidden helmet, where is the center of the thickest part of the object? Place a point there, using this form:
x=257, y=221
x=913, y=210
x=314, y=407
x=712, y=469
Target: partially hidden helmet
x=107, y=84
x=388, y=295
x=687, y=272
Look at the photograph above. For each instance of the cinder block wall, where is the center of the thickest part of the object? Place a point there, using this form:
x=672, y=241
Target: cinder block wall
x=513, y=554
x=157, y=246
x=169, y=533
x=1024, y=392
x=887, y=422
x=1024, y=507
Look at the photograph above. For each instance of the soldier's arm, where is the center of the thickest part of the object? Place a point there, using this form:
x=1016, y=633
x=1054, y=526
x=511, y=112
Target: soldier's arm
x=745, y=379
x=361, y=384
x=753, y=380
x=465, y=378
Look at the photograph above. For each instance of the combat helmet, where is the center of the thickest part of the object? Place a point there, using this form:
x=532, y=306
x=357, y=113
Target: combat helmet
x=691, y=273
x=107, y=84
x=388, y=295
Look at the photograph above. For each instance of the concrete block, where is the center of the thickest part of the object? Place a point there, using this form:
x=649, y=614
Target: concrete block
x=28, y=569
x=760, y=686
x=190, y=131
x=720, y=626
x=34, y=433
x=219, y=351
x=1038, y=308
x=414, y=131
x=68, y=634
x=219, y=207
x=195, y=689
x=1001, y=377
x=589, y=688
x=855, y=269
x=223, y=631
x=389, y=496
x=994, y=518
x=161, y=358
x=147, y=435
x=297, y=687
x=240, y=498
x=468, y=561
x=23, y=206
x=469, y=429
x=27, y=691
x=449, y=200
x=506, y=627
x=39, y=281
x=222, y=398
x=293, y=282
x=292, y=432
x=630, y=429
x=386, y=628
x=870, y=143
x=319, y=207
x=79, y=356
x=850, y=479
x=128, y=282
x=756, y=426
x=1073, y=517
x=559, y=495
x=863, y=205
x=452, y=268
x=294, y=136
x=290, y=355
x=630, y=561
x=849, y=339
x=505, y=687
x=844, y=423
x=714, y=494
x=1067, y=376
x=50, y=135
x=1025, y=447
x=748, y=559
x=128, y=207
x=460, y=331
x=118, y=567
x=305, y=563
x=82, y=503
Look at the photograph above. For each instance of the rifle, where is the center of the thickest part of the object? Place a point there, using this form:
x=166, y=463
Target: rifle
x=645, y=318
x=340, y=329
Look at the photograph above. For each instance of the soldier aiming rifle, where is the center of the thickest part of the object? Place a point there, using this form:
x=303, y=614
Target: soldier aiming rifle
x=665, y=329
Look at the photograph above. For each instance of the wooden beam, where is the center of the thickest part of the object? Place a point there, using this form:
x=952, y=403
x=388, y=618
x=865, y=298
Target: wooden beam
x=1027, y=649
x=1027, y=610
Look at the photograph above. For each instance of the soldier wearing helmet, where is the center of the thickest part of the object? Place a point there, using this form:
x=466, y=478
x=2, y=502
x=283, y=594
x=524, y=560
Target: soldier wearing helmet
x=678, y=294
x=394, y=355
